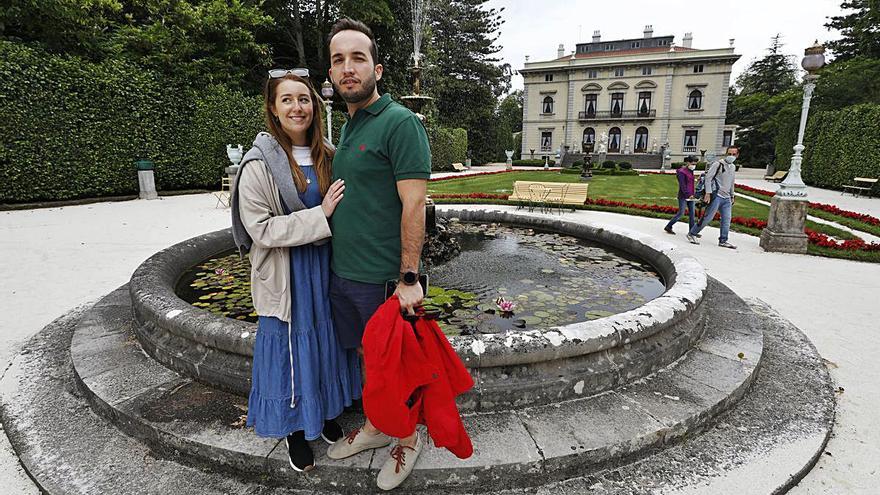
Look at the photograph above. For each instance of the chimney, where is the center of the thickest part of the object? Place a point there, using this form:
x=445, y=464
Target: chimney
x=561, y=51
x=649, y=31
x=688, y=40
x=731, y=42
x=597, y=36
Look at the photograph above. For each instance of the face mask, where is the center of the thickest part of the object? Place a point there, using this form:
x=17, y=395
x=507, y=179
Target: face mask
x=729, y=158
x=692, y=167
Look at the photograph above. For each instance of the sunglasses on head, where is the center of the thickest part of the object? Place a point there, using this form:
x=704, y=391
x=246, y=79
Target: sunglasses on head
x=278, y=73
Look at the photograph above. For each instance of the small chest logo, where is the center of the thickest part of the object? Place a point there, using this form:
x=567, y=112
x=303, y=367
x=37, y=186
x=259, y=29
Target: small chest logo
x=362, y=147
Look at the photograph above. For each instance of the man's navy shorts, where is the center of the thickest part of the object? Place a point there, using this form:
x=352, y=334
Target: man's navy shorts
x=353, y=305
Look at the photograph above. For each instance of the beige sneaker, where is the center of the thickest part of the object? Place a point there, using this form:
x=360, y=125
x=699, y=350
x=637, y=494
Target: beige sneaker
x=399, y=465
x=357, y=441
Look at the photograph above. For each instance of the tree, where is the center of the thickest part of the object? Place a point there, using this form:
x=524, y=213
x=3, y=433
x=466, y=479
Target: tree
x=60, y=26
x=508, y=121
x=771, y=75
x=860, y=30
x=465, y=78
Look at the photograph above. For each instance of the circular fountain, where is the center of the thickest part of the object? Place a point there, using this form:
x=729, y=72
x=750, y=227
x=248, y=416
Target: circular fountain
x=570, y=336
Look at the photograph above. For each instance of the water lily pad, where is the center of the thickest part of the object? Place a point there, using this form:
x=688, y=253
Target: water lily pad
x=595, y=314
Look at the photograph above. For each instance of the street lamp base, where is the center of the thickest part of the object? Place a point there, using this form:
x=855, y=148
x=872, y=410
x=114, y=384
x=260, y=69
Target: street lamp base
x=785, y=226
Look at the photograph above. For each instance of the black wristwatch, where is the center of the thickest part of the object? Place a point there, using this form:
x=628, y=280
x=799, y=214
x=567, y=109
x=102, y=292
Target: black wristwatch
x=409, y=278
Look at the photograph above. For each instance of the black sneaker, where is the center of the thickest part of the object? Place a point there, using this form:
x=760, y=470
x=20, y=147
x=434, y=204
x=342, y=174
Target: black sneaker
x=668, y=230
x=299, y=453
x=332, y=431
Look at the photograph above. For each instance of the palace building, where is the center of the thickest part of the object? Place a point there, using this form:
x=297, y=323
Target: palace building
x=645, y=95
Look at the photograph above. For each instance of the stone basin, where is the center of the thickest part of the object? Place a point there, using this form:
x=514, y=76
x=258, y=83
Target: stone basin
x=511, y=369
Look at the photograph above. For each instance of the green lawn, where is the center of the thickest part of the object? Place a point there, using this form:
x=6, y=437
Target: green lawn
x=646, y=189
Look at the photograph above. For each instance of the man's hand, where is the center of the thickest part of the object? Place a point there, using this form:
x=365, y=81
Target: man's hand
x=707, y=197
x=410, y=296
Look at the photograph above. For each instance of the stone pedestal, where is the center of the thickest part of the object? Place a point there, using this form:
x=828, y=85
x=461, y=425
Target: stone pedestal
x=785, y=226
x=147, y=185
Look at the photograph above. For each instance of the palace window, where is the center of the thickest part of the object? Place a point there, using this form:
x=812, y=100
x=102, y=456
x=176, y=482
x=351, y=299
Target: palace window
x=695, y=100
x=727, y=140
x=690, y=141
x=547, y=105
x=619, y=72
x=548, y=77
x=647, y=71
x=609, y=47
x=635, y=44
x=592, y=73
x=641, y=143
x=589, y=140
x=644, y=102
x=590, y=105
x=614, y=140
x=698, y=69
x=546, y=140
x=616, y=104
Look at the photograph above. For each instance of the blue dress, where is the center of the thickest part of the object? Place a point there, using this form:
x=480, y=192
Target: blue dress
x=326, y=377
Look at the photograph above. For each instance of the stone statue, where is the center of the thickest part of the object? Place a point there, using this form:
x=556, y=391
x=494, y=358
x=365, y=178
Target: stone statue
x=654, y=146
x=626, y=146
x=602, y=147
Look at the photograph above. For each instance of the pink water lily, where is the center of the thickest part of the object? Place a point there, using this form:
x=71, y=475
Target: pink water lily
x=219, y=271
x=504, y=305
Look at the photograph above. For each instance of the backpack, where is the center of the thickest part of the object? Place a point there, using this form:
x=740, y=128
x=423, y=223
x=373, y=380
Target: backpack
x=700, y=189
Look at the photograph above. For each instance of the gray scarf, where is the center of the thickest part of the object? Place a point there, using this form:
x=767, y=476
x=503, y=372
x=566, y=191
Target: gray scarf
x=267, y=149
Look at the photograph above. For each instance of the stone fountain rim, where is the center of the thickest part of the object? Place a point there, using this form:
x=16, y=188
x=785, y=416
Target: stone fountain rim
x=153, y=298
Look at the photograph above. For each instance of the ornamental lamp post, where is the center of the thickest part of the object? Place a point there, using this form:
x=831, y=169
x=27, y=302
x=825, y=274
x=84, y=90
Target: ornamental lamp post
x=327, y=93
x=788, y=209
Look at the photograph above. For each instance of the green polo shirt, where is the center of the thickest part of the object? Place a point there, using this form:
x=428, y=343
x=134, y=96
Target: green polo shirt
x=378, y=146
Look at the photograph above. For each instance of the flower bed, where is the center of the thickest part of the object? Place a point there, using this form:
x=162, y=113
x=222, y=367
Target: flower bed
x=468, y=176
x=868, y=219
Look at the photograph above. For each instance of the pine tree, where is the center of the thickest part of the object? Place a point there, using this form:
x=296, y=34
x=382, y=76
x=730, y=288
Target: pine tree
x=860, y=30
x=771, y=75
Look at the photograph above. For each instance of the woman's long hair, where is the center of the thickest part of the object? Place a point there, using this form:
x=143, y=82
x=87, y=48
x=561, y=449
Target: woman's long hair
x=321, y=154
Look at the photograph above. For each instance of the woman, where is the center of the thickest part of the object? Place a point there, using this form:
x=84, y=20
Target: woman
x=686, y=197
x=302, y=377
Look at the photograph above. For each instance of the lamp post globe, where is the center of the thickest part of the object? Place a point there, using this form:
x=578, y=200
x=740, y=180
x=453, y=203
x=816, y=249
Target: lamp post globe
x=327, y=93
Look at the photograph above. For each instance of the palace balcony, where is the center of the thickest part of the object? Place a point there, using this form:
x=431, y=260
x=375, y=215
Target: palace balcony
x=624, y=115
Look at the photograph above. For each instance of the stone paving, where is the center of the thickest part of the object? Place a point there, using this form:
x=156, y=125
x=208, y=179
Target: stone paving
x=59, y=258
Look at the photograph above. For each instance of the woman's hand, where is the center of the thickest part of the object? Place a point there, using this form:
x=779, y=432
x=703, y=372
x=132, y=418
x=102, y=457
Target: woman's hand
x=333, y=197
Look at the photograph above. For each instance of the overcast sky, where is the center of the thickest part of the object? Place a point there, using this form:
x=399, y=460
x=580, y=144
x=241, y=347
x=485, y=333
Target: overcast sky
x=536, y=28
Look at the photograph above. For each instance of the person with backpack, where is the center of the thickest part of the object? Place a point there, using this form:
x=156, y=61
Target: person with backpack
x=686, y=199
x=719, y=181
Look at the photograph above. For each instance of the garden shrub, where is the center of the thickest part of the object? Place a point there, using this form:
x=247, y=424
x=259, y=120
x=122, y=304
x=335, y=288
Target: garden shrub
x=842, y=144
x=533, y=163
x=609, y=164
x=625, y=165
x=73, y=128
x=701, y=166
x=448, y=146
x=577, y=164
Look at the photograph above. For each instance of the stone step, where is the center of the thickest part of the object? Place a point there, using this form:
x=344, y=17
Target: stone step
x=765, y=444
x=176, y=416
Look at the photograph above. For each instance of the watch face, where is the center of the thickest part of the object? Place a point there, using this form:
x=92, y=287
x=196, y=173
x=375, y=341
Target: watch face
x=410, y=278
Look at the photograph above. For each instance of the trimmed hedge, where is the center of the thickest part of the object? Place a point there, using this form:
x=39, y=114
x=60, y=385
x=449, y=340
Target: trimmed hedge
x=532, y=163
x=448, y=146
x=72, y=128
x=841, y=145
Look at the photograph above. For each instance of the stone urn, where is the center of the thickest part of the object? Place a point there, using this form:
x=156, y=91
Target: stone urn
x=509, y=162
x=235, y=154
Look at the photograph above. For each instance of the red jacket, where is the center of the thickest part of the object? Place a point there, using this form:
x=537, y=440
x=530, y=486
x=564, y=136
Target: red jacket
x=419, y=367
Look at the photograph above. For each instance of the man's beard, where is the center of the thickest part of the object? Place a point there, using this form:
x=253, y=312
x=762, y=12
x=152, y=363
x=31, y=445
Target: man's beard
x=368, y=86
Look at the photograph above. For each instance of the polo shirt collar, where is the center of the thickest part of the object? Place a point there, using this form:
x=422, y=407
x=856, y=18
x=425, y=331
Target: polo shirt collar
x=377, y=106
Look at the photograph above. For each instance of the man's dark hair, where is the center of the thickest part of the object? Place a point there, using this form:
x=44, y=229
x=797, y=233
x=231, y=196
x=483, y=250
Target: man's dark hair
x=731, y=148
x=690, y=159
x=346, y=24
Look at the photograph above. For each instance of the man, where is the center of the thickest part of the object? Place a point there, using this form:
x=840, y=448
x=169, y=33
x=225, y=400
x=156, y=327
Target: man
x=378, y=229
x=719, y=194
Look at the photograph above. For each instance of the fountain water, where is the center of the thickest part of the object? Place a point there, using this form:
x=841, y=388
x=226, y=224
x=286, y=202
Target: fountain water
x=416, y=101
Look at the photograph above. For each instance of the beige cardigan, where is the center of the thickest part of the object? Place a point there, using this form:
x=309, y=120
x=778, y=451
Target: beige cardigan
x=273, y=232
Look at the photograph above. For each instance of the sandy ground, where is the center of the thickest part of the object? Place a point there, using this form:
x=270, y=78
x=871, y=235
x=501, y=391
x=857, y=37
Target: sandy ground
x=56, y=259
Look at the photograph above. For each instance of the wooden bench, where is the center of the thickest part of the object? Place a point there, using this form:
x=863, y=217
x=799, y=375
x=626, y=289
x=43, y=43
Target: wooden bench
x=777, y=177
x=459, y=167
x=548, y=194
x=860, y=185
